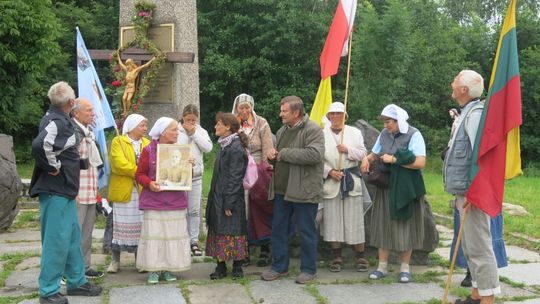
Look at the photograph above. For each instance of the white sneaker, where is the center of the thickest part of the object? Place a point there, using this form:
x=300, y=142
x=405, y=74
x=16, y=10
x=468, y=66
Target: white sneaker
x=113, y=267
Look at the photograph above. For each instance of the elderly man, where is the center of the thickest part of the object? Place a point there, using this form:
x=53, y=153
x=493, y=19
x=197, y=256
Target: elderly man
x=477, y=244
x=83, y=116
x=296, y=188
x=56, y=181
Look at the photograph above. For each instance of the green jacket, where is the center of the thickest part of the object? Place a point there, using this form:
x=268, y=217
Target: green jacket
x=406, y=186
x=305, y=157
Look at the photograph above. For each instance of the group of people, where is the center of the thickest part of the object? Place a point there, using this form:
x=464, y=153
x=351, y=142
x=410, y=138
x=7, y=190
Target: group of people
x=309, y=182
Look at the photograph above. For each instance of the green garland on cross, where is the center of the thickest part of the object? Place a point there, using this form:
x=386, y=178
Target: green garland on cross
x=141, y=21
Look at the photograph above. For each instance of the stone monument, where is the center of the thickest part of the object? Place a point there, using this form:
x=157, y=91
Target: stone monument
x=174, y=29
x=10, y=183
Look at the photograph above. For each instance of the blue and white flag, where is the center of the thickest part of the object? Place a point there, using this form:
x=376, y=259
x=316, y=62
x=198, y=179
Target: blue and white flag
x=90, y=88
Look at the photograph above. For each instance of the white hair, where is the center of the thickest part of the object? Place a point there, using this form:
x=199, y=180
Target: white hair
x=60, y=93
x=473, y=81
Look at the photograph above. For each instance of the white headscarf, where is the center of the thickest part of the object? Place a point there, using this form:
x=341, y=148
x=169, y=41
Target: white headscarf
x=159, y=127
x=132, y=121
x=241, y=99
x=398, y=114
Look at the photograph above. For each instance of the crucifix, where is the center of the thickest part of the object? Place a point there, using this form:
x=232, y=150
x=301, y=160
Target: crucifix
x=134, y=58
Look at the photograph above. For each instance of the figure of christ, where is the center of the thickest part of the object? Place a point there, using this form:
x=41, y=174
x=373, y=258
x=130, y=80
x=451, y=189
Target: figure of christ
x=132, y=72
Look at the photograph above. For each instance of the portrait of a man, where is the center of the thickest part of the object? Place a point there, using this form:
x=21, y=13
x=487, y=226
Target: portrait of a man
x=173, y=167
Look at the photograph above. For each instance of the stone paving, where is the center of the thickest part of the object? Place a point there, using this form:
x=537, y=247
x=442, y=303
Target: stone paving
x=521, y=283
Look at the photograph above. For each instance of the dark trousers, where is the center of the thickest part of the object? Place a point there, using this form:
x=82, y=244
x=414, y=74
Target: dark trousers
x=304, y=215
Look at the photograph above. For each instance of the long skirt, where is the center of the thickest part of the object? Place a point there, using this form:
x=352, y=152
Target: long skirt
x=343, y=220
x=387, y=233
x=127, y=222
x=226, y=247
x=164, y=243
x=260, y=209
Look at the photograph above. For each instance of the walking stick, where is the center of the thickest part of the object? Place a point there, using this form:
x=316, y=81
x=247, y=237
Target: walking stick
x=456, y=249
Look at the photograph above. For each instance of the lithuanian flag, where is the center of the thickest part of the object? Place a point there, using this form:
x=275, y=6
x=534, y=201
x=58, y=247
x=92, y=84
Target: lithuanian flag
x=335, y=46
x=496, y=153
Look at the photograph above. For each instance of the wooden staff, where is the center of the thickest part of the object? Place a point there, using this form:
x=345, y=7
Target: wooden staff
x=456, y=249
x=345, y=99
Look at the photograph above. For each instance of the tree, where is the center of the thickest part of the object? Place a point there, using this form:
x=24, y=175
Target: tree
x=268, y=49
x=28, y=33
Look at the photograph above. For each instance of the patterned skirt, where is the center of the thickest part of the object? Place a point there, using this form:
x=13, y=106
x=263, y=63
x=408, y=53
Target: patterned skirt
x=387, y=233
x=226, y=247
x=164, y=243
x=127, y=222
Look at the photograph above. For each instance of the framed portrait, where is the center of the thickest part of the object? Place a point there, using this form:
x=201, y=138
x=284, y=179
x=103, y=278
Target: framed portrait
x=173, y=170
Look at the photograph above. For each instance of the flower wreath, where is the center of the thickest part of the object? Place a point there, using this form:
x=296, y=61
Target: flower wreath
x=141, y=21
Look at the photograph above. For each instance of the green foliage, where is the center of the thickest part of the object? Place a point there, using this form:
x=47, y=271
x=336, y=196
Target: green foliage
x=27, y=49
x=268, y=49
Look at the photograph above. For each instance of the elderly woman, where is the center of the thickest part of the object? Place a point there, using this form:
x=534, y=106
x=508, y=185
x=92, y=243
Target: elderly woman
x=123, y=190
x=397, y=221
x=225, y=209
x=258, y=206
x=192, y=133
x=164, y=243
x=343, y=210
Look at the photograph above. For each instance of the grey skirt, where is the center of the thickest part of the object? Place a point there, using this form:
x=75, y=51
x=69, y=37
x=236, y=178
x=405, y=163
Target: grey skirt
x=392, y=234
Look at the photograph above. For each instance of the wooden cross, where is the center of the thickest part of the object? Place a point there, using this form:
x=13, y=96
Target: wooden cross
x=139, y=55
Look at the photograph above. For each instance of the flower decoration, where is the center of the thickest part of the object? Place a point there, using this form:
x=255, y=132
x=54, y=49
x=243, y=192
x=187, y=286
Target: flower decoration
x=141, y=21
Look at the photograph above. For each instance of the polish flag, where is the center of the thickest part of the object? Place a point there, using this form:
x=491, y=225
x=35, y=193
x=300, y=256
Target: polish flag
x=336, y=44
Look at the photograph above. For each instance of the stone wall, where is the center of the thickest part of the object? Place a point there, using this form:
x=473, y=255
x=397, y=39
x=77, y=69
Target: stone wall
x=10, y=183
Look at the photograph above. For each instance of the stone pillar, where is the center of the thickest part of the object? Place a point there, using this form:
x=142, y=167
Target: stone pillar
x=185, y=76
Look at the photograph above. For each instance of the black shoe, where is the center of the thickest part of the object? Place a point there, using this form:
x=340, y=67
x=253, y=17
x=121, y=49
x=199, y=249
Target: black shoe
x=219, y=273
x=87, y=290
x=237, y=273
x=264, y=259
x=56, y=298
x=92, y=274
x=467, y=281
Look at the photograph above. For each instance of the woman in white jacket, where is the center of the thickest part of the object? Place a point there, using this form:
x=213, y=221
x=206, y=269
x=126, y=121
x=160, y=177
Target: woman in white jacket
x=192, y=133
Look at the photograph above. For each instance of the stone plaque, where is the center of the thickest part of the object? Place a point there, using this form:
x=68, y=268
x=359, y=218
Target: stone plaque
x=163, y=36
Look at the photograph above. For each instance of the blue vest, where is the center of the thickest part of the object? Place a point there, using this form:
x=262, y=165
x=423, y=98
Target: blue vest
x=457, y=162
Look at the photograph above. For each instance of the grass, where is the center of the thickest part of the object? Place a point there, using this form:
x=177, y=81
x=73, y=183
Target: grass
x=25, y=170
x=10, y=261
x=519, y=191
x=26, y=219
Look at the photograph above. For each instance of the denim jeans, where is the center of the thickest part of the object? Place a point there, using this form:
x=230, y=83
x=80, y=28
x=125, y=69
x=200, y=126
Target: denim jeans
x=304, y=215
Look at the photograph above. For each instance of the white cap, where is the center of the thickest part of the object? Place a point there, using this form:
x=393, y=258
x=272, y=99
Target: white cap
x=336, y=107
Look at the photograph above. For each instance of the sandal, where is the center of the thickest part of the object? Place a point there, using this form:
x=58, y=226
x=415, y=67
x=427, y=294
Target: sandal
x=335, y=265
x=467, y=300
x=405, y=277
x=376, y=275
x=195, y=250
x=362, y=265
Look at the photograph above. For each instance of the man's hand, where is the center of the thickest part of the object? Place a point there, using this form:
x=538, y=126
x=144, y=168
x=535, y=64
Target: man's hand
x=364, y=167
x=55, y=173
x=228, y=212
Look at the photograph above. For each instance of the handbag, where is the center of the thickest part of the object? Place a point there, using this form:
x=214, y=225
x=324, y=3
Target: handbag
x=379, y=174
x=251, y=175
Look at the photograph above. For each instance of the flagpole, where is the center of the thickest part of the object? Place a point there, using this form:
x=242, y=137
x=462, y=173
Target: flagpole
x=345, y=99
x=454, y=256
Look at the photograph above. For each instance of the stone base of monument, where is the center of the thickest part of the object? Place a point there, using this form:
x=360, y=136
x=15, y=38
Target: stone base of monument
x=10, y=183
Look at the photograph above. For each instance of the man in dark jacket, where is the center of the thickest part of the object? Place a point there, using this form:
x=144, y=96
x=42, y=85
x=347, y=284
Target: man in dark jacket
x=296, y=188
x=56, y=181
